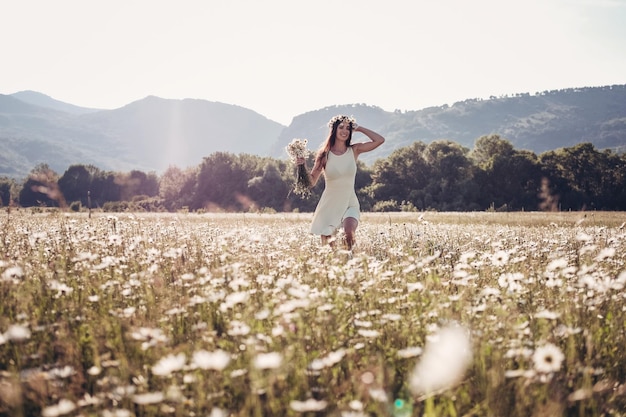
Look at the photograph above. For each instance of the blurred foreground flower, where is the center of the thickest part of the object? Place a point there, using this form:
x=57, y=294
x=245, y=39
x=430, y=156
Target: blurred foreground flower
x=169, y=364
x=149, y=398
x=329, y=360
x=218, y=412
x=149, y=337
x=548, y=358
x=17, y=333
x=270, y=360
x=60, y=409
x=409, y=352
x=217, y=360
x=444, y=362
x=12, y=274
x=308, y=405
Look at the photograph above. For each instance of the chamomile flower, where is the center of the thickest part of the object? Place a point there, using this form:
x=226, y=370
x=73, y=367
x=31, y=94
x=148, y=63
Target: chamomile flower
x=500, y=258
x=342, y=118
x=308, y=405
x=62, y=408
x=444, y=361
x=217, y=360
x=149, y=398
x=169, y=364
x=605, y=253
x=12, y=274
x=17, y=333
x=270, y=360
x=547, y=358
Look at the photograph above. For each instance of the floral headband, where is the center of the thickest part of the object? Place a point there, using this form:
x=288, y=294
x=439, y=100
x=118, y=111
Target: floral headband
x=341, y=118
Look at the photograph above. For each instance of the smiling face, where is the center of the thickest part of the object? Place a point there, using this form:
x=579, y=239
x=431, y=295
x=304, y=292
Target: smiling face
x=340, y=129
x=344, y=131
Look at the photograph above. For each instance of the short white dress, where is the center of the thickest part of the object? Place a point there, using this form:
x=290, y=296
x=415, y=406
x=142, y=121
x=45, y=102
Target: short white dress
x=338, y=200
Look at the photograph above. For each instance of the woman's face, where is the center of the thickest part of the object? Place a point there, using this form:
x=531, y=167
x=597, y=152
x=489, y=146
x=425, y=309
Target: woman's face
x=343, y=131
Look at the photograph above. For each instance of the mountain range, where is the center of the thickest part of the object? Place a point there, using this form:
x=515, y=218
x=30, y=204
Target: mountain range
x=154, y=133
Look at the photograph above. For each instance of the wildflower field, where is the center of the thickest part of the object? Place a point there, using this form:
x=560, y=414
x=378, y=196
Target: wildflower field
x=432, y=314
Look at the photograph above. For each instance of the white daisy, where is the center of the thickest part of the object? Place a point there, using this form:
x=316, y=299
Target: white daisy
x=168, y=364
x=63, y=407
x=410, y=352
x=13, y=274
x=368, y=333
x=218, y=412
x=308, y=405
x=605, y=254
x=444, y=361
x=270, y=360
x=555, y=264
x=548, y=358
x=17, y=333
x=217, y=360
x=149, y=398
x=500, y=258
x=548, y=315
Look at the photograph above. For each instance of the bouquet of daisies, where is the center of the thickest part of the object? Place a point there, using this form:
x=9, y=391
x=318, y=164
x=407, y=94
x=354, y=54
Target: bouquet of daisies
x=296, y=149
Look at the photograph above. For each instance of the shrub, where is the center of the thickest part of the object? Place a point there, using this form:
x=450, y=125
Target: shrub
x=387, y=205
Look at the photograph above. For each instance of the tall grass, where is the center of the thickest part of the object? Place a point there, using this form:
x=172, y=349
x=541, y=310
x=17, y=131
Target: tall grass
x=248, y=315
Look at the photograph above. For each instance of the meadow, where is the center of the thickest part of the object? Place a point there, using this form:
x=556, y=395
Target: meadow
x=431, y=314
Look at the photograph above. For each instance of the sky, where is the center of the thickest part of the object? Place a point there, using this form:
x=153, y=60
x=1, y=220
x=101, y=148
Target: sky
x=283, y=58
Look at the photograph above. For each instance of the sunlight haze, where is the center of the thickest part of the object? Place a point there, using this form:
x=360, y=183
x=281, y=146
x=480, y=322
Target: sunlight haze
x=282, y=58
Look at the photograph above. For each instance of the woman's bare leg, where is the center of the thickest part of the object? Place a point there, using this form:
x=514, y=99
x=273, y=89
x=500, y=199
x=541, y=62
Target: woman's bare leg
x=349, y=227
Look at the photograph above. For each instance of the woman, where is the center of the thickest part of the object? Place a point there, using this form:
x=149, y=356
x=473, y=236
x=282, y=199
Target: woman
x=337, y=158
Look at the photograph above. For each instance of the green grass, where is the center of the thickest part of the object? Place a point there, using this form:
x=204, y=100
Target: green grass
x=102, y=316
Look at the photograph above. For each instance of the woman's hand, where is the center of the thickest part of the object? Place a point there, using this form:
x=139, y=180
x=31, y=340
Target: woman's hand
x=300, y=161
x=376, y=141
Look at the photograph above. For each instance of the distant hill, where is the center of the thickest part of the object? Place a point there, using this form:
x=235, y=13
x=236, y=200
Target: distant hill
x=538, y=123
x=157, y=133
x=31, y=134
x=153, y=133
x=148, y=134
x=42, y=100
x=313, y=125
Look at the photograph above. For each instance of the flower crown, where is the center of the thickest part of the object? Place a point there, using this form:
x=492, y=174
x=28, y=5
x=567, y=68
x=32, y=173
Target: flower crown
x=342, y=118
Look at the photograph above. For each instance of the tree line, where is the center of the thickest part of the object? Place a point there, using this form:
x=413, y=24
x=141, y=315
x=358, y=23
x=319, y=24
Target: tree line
x=441, y=176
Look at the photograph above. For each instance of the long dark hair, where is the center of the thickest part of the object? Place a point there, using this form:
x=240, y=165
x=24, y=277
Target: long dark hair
x=322, y=153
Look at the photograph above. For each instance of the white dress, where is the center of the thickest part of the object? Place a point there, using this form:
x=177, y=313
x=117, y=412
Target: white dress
x=338, y=199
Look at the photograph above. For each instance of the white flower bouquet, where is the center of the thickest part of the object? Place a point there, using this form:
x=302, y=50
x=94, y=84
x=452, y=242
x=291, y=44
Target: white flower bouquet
x=297, y=149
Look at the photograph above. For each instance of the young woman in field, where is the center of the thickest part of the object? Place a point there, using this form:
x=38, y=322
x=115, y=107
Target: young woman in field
x=336, y=159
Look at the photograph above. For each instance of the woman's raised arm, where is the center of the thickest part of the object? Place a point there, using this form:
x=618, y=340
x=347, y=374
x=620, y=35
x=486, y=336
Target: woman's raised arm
x=375, y=141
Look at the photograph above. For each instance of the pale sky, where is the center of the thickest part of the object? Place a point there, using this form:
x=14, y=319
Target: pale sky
x=282, y=58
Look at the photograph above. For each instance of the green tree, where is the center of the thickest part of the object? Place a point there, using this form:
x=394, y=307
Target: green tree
x=104, y=188
x=362, y=181
x=581, y=176
x=269, y=189
x=137, y=183
x=523, y=174
x=7, y=191
x=177, y=187
x=41, y=188
x=451, y=185
x=507, y=178
x=613, y=192
x=222, y=183
x=76, y=183
x=489, y=148
x=402, y=176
